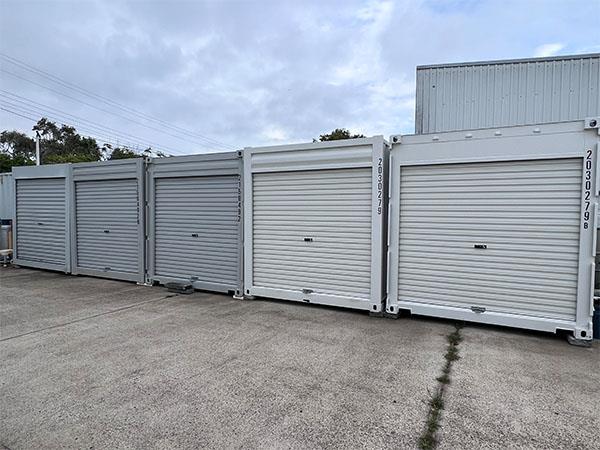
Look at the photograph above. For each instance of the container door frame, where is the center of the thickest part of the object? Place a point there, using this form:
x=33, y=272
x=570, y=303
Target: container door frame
x=543, y=142
x=37, y=172
x=106, y=172
x=207, y=165
x=342, y=156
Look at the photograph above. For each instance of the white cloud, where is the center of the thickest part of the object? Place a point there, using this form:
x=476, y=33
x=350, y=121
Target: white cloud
x=260, y=72
x=548, y=49
x=275, y=134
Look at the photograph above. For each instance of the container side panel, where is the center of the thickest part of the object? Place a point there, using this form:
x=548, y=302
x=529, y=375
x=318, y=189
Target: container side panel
x=359, y=154
x=7, y=195
x=197, y=165
x=114, y=169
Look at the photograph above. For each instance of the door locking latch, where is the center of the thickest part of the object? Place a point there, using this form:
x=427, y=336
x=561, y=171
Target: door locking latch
x=482, y=246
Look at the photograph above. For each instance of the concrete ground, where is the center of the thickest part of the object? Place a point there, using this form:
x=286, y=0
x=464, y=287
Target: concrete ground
x=522, y=390
x=90, y=363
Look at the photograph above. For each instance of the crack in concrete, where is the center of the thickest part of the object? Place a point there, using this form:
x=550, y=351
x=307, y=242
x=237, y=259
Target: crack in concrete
x=93, y=316
x=429, y=439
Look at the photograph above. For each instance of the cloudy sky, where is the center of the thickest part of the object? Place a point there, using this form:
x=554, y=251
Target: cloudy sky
x=197, y=76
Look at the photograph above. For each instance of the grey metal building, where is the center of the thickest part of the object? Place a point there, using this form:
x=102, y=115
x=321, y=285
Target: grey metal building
x=506, y=93
x=497, y=226
x=314, y=223
x=195, y=221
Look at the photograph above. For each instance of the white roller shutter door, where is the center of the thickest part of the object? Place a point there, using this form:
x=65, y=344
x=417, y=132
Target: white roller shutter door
x=312, y=231
x=40, y=212
x=498, y=236
x=107, y=217
x=197, y=227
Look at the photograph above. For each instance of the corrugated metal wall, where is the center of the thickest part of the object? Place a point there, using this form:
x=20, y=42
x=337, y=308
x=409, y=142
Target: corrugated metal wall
x=507, y=93
x=194, y=228
x=7, y=201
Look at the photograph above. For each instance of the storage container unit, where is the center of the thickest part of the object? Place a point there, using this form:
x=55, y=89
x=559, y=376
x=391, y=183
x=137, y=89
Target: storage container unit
x=7, y=197
x=507, y=93
x=496, y=226
x=314, y=222
x=107, y=219
x=194, y=221
x=41, y=218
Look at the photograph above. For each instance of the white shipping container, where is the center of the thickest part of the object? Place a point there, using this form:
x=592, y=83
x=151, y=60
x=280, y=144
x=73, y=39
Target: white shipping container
x=496, y=226
x=314, y=218
x=107, y=219
x=195, y=221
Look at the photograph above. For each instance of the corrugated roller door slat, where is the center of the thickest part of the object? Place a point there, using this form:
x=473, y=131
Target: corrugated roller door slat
x=503, y=236
x=107, y=225
x=312, y=230
x=197, y=228
x=41, y=220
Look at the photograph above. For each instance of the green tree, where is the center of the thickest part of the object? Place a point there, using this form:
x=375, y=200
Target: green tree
x=16, y=149
x=339, y=133
x=154, y=153
x=63, y=144
x=120, y=152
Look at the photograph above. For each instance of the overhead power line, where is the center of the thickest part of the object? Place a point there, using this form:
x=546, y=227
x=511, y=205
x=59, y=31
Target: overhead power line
x=81, y=126
x=204, y=145
x=206, y=141
x=95, y=136
x=26, y=112
x=23, y=65
x=75, y=120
